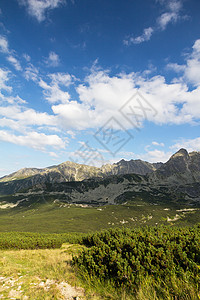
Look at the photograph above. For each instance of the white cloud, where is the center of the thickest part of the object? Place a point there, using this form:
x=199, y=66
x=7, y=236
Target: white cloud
x=7, y=98
x=25, y=116
x=192, y=70
x=15, y=118
x=52, y=91
x=167, y=18
x=75, y=115
x=12, y=124
x=142, y=38
x=53, y=154
x=27, y=57
x=61, y=79
x=189, y=144
x=35, y=140
x=31, y=73
x=162, y=156
x=39, y=8
x=175, y=67
x=21, y=125
x=158, y=144
x=3, y=80
x=171, y=15
x=3, y=44
x=14, y=62
x=53, y=59
x=101, y=96
x=127, y=154
x=155, y=156
x=11, y=58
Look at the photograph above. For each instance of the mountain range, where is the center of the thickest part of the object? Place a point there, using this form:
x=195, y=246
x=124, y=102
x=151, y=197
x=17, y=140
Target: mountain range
x=176, y=180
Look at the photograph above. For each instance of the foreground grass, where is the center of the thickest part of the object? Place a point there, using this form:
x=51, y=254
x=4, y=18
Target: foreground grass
x=47, y=274
x=38, y=274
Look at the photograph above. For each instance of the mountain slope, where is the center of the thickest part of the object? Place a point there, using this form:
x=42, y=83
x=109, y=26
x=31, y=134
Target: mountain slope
x=69, y=171
x=176, y=180
x=181, y=168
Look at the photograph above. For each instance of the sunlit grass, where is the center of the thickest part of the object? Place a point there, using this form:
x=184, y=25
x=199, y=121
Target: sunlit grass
x=32, y=272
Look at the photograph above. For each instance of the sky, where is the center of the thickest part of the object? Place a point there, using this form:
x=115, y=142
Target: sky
x=98, y=81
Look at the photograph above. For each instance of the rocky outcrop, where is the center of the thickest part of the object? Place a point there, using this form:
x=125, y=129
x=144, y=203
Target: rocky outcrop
x=70, y=171
x=132, y=166
x=176, y=180
x=181, y=168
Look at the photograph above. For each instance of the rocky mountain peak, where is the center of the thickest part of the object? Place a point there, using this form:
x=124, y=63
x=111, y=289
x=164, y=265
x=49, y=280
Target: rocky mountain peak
x=181, y=153
x=178, y=163
x=182, y=167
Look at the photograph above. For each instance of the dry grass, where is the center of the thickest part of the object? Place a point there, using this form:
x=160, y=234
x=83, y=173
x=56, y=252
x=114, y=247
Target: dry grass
x=37, y=274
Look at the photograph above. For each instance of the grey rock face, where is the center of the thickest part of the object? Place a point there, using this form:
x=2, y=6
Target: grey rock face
x=178, y=178
x=181, y=168
x=69, y=171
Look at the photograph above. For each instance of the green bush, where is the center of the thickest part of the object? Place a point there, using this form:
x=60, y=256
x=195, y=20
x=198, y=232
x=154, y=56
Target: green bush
x=30, y=240
x=126, y=257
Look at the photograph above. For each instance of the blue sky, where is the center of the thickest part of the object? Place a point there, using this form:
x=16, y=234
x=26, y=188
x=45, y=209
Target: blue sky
x=98, y=81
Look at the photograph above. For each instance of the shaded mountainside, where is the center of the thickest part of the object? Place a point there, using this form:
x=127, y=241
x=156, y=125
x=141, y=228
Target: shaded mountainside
x=133, y=166
x=177, y=180
x=181, y=168
x=69, y=171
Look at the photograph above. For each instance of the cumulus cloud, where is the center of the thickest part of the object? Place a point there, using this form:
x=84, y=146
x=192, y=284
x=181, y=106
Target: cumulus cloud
x=191, y=69
x=53, y=60
x=22, y=125
x=102, y=96
x=155, y=156
x=4, y=77
x=31, y=72
x=4, y=48
x=3, y=44
x=26, y=116
x=53, y=91
x=142, y=38
x=14, y=62
x=176, y=67
x=171, y=15
x=27, y=57
x=4, y=87
x=39, y=8
x=35, y=140
x=189, y=144
x=158, y=144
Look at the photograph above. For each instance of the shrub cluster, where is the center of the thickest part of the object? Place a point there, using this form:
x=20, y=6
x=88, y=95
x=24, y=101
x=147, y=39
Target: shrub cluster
x=126, y=256
x=20, y=240
x=30, y=240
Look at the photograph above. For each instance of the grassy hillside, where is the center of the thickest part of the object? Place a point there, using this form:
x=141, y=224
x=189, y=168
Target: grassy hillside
x=58, y=218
